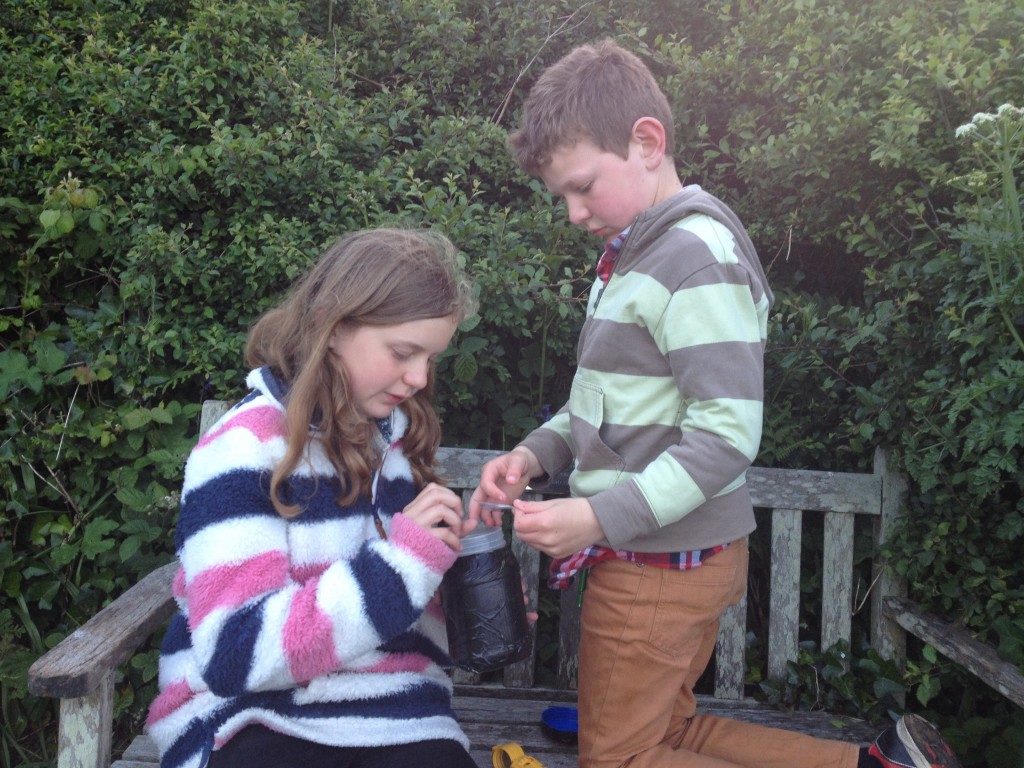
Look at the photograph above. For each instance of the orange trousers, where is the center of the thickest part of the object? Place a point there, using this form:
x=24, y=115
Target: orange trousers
x=647, y=634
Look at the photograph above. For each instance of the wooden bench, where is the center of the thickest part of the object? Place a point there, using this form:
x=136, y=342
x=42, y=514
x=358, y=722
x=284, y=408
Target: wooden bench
x=80, y=671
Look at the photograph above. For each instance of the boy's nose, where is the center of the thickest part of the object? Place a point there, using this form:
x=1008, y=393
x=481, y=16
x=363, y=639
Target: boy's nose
x=578, y=213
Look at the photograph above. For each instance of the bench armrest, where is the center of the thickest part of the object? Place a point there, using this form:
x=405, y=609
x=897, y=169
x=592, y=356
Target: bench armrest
x=956, y=643
x=77, y=665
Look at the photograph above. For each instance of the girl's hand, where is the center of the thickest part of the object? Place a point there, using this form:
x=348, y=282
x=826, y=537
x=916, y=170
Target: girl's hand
x=438, y=510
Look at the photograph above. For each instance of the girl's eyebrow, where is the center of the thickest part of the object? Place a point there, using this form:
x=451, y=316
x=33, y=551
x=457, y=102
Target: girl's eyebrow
x=412, y=347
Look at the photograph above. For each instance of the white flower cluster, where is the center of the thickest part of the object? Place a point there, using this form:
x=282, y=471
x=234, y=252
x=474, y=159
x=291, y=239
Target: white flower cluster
x=1005, y=111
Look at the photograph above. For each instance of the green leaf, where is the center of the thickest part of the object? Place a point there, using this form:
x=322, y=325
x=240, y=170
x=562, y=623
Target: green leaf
x=137, y=418
x=129, y=547
x=65, y=554
x=161, y=416
x=927, y=689
x=94, y=542
x=14, y=369
x=66, y=222
x=465, y=367
x=133, y=498
x=49, y=357
x=472, y=344
x=1011, y=639
x=884, y=687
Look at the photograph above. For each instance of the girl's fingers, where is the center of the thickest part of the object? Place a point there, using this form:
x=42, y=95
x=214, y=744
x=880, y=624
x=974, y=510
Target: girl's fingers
x=447, y=535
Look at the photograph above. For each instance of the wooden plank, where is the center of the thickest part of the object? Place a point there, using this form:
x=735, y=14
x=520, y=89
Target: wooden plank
x=491, y=715
x=487, y=705
x=77, y=665
x=85, y=729
x=812, y=490
x=212, y=411
x=730, y=652
x=957, y=644
x=784, y=604
x=886, y=635
x=460, y=467
x=141, y=750
x=568, y=670
x=837, y=579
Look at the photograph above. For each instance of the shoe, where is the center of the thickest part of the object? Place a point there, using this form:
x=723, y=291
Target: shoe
x=913, y=743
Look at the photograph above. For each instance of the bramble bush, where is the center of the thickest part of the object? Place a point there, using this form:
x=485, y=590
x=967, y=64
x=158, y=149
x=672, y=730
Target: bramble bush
x=166, y=169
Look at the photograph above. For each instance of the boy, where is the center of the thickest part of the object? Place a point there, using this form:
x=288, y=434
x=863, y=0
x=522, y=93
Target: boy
x=663, y=419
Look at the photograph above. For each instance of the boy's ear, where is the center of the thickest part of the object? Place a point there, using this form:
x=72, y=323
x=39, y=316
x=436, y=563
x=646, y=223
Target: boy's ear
x=649, y=133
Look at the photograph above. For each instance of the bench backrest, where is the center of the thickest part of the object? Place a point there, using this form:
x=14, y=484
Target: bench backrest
x=790, y=494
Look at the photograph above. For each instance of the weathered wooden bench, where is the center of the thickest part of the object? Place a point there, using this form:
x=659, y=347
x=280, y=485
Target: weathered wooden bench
x=81, y=670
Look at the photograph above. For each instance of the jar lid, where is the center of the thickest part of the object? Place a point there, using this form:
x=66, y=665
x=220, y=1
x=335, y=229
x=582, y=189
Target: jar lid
x=482, y=539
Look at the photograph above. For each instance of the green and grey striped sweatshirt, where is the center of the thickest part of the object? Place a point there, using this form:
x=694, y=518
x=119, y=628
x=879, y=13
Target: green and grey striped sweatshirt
x=665, y=410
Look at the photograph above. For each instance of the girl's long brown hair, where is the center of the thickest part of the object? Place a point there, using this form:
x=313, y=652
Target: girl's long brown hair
x=375, y=277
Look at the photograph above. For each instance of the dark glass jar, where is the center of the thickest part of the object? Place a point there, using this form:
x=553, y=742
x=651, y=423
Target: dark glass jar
x=483, y=604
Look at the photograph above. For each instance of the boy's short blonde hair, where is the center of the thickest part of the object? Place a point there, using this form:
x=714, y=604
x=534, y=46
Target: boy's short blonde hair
x=596, y=92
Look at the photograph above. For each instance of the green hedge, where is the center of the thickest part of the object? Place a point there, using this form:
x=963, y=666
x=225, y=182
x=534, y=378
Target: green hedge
x=166, y=168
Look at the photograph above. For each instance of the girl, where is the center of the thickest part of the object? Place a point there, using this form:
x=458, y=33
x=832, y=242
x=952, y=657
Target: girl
x=313, y=533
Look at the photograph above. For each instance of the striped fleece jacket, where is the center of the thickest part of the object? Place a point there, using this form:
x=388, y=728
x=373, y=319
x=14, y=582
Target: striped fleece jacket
x=664, y=412
x=312, y=626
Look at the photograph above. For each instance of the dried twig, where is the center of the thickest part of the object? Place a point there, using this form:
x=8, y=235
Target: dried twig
x=562, y=28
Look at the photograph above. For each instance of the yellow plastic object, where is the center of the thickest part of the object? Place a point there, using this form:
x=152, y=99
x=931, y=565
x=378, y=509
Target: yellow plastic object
x=512, y=756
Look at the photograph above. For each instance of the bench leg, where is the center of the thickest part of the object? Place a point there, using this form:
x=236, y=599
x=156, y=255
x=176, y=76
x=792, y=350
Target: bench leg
x=85, y=728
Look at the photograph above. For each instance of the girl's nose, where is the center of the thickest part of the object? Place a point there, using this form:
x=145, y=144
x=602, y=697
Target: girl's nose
x=416, y=375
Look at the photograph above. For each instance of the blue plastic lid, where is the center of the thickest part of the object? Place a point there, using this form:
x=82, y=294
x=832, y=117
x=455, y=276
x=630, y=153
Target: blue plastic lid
x=560, y=723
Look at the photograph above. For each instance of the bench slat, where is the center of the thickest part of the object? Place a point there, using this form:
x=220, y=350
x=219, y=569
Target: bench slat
x=837, y=579
x=784, y=611
x=568, y=672
x=461, y=466
x=730, y=653
x=815, y=491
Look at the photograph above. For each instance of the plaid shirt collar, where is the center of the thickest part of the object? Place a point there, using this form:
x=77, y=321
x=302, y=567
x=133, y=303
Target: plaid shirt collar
x=606, y=264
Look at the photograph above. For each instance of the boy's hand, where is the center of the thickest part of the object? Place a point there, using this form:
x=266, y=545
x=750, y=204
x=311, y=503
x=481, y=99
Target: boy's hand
x=502, y=480
x=438, y=510
x=559, y=527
